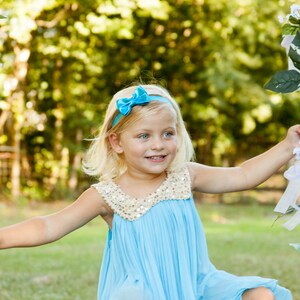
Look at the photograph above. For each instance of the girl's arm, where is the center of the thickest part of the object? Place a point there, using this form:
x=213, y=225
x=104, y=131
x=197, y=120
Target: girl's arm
x=42, y=230
x=250, y=173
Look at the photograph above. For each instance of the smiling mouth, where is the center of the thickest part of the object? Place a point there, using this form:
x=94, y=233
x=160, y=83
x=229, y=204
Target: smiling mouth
x=156, y=157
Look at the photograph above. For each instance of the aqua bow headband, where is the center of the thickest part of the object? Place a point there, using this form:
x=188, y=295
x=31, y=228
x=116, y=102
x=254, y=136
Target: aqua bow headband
x=139, y=97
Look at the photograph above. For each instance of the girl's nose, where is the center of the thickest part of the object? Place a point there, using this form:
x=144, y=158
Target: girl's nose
x=157, y=144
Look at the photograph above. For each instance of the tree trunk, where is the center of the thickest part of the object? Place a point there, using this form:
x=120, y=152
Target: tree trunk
x=18, y=108
x=76, y=162
x=16, y=163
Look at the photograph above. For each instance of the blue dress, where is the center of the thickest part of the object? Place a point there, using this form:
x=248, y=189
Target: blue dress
x=156, y=249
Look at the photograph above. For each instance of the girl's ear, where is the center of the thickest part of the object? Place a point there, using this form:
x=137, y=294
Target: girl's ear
x=115, y=143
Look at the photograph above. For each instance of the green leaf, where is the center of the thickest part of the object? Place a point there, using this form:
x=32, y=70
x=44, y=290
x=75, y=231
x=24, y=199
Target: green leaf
x=294, y=20
x=294, y=51
x=3, y=17
x=284, y=82
x=288, y=29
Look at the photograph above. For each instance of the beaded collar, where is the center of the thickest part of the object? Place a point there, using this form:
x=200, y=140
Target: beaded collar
x=176, y=186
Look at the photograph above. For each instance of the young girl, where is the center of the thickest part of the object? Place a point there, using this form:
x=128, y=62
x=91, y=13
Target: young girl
x=156, y=247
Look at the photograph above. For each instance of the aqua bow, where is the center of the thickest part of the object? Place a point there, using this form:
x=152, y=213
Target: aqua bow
x=139, y=97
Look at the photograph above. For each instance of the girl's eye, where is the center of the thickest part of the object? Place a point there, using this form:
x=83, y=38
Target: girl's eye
x=168, y=134
x=143, y=136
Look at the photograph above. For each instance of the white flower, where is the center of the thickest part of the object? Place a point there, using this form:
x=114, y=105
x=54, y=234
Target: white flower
x=295, y=11
x=281, y=19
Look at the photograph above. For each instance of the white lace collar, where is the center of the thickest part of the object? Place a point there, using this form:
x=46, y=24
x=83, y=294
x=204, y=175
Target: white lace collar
x=176, y=186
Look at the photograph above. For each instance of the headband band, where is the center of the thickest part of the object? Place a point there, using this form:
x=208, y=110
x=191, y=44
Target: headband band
x=139, y=97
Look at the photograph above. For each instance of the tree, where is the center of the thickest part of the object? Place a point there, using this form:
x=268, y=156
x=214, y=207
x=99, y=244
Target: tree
x=63, y=60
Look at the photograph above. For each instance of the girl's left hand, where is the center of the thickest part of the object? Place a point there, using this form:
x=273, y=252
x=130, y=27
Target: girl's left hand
x=293, y=136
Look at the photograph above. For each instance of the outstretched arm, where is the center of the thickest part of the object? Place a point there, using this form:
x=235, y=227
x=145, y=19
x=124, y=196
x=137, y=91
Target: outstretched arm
x=250, y=173
x=42, y=230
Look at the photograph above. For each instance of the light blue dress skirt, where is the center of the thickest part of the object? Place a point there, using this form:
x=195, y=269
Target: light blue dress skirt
x=163, y=256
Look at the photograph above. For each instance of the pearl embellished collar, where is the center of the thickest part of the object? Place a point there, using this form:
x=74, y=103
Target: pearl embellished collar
x=176, y=186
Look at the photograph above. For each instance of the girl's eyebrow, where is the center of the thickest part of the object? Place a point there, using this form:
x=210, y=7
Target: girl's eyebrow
x=142, y=130
x=169, y=128
x=149, y=129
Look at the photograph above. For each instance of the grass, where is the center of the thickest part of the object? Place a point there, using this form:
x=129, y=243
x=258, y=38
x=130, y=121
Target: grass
x=241, y=240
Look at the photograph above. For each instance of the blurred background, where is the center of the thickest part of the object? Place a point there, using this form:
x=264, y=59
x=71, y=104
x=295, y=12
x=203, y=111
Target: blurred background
x=61, y=62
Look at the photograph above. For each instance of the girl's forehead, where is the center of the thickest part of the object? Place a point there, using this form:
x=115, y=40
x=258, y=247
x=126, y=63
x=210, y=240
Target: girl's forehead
x=162, y=119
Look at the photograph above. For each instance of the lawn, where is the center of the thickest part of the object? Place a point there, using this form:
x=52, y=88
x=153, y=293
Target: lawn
x=241, y=240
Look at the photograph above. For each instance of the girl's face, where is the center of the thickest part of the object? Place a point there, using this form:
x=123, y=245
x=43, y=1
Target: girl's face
x=150, y=144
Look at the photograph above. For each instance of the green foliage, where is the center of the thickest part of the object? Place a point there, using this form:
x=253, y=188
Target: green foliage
x=289, y=30
x=63, y=60
x=284, y=82
x=292, y=26
x=289, y=81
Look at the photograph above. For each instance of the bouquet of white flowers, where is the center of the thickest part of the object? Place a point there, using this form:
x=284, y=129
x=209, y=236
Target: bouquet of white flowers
x=288, y=202
x=288, y=81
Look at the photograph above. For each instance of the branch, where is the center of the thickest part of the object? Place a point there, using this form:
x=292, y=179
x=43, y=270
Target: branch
x=50, y=24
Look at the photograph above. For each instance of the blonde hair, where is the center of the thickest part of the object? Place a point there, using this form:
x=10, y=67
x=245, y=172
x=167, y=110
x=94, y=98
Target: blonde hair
x=104, y=163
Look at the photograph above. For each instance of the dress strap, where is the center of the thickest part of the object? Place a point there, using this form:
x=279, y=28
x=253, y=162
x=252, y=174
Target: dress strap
x=176, y=186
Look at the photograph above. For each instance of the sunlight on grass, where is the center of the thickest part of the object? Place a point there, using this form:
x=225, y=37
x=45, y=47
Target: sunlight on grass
x=241, y=240
x=244, y=240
